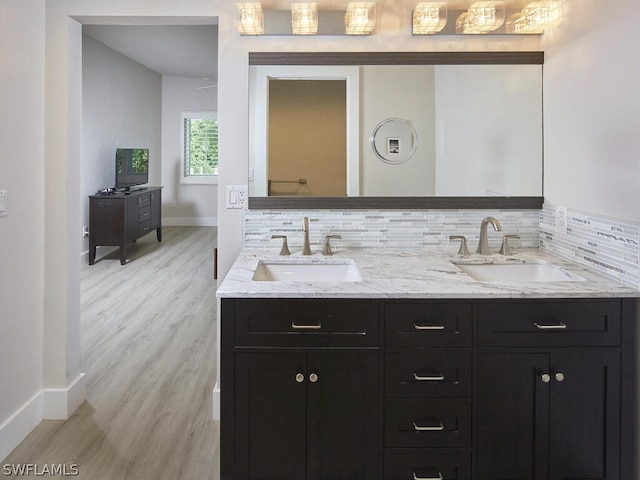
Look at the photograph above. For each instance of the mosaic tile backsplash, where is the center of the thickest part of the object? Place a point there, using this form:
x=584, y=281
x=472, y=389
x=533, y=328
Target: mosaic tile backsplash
x=389, y=228
x=606, y=245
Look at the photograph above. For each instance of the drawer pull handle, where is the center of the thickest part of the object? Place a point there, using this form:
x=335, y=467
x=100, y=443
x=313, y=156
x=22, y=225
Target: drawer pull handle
x=545, y=377
x=439, y=477
x=295, y=326
x=428, y=378
x=313, y=378
x=556, y=326
x=428, y=327
x=559, y=376
x=428, y=428
x=299, y=378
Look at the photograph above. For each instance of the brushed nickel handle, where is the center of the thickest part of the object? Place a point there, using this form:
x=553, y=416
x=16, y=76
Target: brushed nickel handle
x=439, y=477
x=313, y=378
x=295, y=326
x=428, y=428
x=428, y=327
x=545, y=377
x=554, y=326
x=299, y=378
x=559, y=376
x=428, y=378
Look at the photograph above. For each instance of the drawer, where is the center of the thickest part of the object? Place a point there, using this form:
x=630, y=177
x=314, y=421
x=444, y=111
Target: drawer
x=306, y=323
x=418, y=422
x=145, y=227
x=427, y=466
x=145, y=214
x=549, y=324
x=433, y=373
x=143, y=200
x=423, y=324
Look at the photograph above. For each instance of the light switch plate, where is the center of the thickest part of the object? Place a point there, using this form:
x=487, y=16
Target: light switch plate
x=3, y=203
x=236, y=196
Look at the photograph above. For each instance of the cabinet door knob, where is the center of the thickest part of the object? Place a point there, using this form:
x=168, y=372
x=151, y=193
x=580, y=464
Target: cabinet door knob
x=559, y=377
x=313, y=378
x=299, y=378
x=545, y=377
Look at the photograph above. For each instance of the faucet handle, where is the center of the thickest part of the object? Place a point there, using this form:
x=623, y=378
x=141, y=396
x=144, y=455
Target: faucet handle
x=285, y=247
x=327, y=246
x=505, y=249
x=464, y=250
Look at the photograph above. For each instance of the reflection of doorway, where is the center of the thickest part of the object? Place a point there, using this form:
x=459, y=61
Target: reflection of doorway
x=307, y=144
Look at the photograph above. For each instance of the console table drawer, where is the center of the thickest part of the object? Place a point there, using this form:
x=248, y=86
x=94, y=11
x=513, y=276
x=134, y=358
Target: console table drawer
x=145, y=213
x=144, y=200
x=549, y=324
x=439, y=373
x=306, y=323
x=427, y=422
x=428, y=324
x=431, y=466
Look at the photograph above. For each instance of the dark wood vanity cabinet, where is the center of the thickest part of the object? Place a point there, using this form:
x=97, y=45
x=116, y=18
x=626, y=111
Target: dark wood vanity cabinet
x=306, y=388
x=421, y=389
x=549, y=375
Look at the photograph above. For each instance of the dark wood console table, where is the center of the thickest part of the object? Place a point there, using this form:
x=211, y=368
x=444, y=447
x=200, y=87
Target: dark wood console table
x=121, y=218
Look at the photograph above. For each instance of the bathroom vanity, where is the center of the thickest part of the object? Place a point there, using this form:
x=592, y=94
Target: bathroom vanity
x=418, y=371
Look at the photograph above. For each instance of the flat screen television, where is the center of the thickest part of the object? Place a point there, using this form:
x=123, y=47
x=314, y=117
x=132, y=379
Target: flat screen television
x=132, y=167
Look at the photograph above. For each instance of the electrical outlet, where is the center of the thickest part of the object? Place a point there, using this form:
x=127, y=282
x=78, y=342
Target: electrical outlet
x=85, y=231
x=3, y=203
x=236, y=196
x=561, y=219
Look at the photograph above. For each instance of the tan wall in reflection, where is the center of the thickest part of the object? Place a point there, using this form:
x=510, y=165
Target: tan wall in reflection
x=307, y=138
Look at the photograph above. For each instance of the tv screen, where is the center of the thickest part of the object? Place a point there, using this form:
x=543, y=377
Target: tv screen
x=132, y=167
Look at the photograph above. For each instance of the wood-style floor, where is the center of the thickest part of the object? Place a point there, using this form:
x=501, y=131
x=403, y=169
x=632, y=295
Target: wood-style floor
x=149, y=353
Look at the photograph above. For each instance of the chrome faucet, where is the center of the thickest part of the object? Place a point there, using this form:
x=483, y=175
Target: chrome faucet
x=306, y=248
x=483, y=244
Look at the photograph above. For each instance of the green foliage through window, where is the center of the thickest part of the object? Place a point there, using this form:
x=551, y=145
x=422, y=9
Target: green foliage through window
x=200, y=146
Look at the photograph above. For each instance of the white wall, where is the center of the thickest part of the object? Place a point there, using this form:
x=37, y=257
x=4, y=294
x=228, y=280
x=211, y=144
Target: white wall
x=22, y=78
x=121, y=107
x=591, y=105
x=194, y=204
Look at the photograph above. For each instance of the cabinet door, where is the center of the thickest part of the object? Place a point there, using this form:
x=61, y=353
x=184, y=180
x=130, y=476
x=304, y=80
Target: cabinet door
x=270, y=416
x=512, y=417
x=156, y=208
x=585, y=415
x=343, y=402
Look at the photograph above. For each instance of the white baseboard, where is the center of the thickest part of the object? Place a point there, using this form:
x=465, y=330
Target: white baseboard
x=47, y=404
x=189, y=221
x=20, y=424
x=216, y=402
x=60, y=403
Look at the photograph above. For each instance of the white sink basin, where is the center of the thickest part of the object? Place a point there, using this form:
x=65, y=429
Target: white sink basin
x=517, y=272
x=346, y=271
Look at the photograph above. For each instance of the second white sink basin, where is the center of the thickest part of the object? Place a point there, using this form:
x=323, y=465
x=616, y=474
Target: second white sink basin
x=346, y=271
x=517, y=272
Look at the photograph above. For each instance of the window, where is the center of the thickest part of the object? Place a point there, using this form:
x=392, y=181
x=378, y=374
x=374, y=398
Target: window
x=199, y=147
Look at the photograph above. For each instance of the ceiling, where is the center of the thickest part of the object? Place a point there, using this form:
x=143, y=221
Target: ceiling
x=180, y=50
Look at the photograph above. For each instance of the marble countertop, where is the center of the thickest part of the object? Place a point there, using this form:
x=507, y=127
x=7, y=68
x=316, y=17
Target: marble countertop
x=416, y=274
